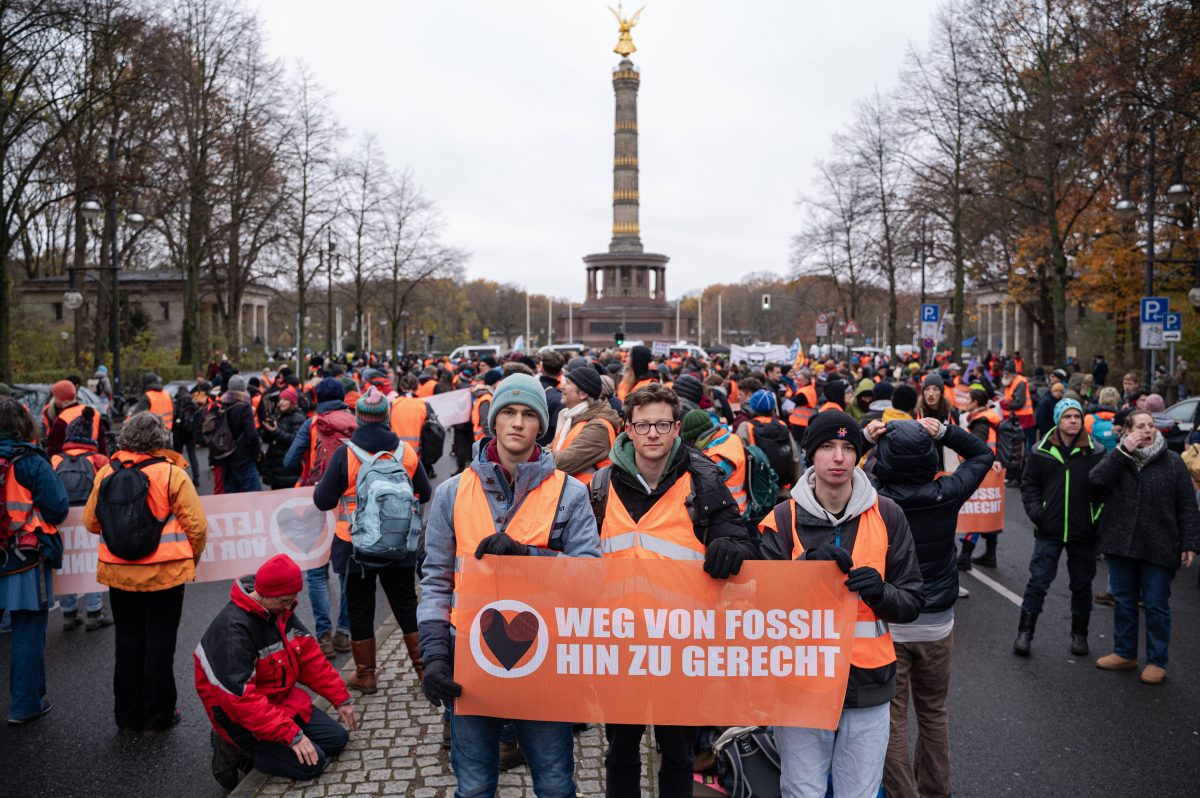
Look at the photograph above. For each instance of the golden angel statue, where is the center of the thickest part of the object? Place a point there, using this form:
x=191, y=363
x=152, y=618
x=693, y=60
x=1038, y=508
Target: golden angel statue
x=625, y=45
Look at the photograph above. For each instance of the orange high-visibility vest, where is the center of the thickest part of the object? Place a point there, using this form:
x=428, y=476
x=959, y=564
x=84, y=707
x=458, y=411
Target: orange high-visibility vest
x=1027, y=410
x=729, y=447
x=665, y=532
x=1089, y=420
x=407, y=417
x=174, y=544
x=73, y=412
x=426, y=388
x=349, y=501
x=478, y=420
x=872, y=638
x=585, y=476
x=531, y=524
x=24, y=518
x=162, y=406
x=829, y=406
x=622, y=392
x=800, y=416
x=993, y=420
x=255, y=401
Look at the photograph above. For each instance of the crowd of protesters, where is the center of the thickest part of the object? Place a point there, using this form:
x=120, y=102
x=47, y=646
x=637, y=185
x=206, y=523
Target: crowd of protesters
x=864, y=462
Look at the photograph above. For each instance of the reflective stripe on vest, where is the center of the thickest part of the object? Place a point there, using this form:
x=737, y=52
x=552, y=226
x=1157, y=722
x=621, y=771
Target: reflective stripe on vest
x=729, y=447
x=585, y=476
x=407, y=417
x=665, y=532
x=872, y=639
x=531, y=522
x=348, y=503
x=75, y=411
x=174, y=544
x=162, y=406
x=24, y=520
x=478, y=428
x=800, y=416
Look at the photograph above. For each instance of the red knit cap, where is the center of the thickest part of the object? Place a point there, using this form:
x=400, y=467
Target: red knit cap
x=278, y=576
x=63, y=391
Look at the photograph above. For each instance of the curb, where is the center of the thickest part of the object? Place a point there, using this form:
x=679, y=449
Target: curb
x=254, y=781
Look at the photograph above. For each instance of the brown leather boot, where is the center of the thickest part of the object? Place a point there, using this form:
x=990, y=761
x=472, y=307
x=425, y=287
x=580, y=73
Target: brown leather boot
x=364, y=666
x=412, y=642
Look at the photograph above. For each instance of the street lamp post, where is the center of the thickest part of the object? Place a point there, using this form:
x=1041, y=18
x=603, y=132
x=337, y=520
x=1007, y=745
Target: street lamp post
x=330, y=274
x=91, y=210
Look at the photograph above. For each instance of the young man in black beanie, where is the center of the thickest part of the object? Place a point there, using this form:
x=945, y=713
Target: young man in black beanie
x=836, y=514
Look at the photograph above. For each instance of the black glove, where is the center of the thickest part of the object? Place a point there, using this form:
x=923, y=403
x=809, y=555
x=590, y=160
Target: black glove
x=723, y=558
x=828, y=551
x=867, y=582
x=439, y=686
x=501, y=544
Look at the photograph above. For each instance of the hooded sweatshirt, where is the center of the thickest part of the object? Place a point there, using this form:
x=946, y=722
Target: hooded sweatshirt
x=903, y=592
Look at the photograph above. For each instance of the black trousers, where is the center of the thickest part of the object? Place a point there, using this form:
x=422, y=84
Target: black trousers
x=464, y=440
x=276, y=759
x=144, y=673
x=399, y=585
x=623, y=760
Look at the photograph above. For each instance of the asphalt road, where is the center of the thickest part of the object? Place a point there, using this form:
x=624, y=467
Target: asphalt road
x=1052, y=724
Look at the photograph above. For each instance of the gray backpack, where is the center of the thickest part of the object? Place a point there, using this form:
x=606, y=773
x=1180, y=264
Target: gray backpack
x=387, y=518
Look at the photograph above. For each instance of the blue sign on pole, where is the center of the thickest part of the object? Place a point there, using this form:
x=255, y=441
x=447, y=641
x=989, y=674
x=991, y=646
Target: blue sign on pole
x=931, y=313
x=1154, y=309
x=1174, y=323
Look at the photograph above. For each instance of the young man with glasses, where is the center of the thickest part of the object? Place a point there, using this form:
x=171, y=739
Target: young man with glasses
x=662, y=500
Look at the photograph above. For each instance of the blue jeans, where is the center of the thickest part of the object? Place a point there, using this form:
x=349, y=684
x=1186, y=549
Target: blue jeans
x=1133, y=579
x=243, y=479
x=317, y=580
x=27, y=665
x=1043, y=566
x=475, y=755
x=91, y=602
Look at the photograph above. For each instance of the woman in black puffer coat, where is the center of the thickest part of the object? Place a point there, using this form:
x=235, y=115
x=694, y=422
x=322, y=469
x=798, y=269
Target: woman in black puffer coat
x=1149, y=528
x=278, y=431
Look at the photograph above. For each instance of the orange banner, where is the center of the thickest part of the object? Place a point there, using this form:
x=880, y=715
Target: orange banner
x=244, y=531
x=653, y=641
x=984, y=511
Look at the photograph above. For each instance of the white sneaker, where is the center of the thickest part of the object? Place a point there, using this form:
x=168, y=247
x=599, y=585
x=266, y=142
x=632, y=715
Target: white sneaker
x=963, y=592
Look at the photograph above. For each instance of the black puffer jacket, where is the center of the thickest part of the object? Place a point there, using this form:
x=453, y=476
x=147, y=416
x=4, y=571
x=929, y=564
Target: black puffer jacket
x=902, y=469
x=1149, y=514
x=278, y=441
x=1057, y=491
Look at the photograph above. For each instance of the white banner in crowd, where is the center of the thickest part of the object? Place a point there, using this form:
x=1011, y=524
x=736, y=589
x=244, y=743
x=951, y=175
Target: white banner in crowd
x=244, y=531
x=452, y=407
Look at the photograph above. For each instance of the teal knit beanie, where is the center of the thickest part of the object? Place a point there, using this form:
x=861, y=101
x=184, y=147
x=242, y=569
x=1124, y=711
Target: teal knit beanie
x=519, y=389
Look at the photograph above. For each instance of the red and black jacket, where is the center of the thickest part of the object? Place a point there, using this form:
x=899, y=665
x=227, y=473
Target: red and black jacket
x=249, y=668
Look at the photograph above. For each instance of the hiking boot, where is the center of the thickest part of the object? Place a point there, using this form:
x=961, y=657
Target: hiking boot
x=325, y=641
x=1153, y=675
x=964, y=556
x=228, y=762
x=71, y=620
x=511, y=756
x=988, y=558
x=1025, y=628
x=363, y=679
x=412, y=643
x=1104, y=598
x=1079, y=632
x=341, y=641
x=1115, y=662
x=97, y=620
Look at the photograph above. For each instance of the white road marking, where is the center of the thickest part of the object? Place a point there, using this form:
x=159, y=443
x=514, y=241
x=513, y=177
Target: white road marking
x=994, y=585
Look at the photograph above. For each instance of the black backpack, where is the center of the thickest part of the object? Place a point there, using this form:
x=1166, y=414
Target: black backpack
x=748, y=762
x=1010, y=447
x=775, y=440
x=218, y=435
x=129, y=527
x=433, y=440
x=76, y=473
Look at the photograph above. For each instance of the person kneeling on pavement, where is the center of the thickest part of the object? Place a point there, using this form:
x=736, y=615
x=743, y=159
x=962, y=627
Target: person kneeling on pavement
x=250, y=666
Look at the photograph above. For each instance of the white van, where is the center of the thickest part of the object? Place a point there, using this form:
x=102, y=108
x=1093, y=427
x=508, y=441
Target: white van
x=563, y=349
x=475, y=352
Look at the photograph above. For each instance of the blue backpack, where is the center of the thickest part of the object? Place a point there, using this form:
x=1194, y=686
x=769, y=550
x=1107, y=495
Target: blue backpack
x=1104, y=432
x=387, y=517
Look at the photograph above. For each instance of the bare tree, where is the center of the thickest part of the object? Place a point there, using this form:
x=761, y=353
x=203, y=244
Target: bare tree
x=366, y=196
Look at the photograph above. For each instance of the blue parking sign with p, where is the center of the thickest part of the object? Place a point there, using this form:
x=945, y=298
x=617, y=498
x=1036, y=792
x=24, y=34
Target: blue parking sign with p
x=931, y=312
x=1154, y=310
x=1173, y=323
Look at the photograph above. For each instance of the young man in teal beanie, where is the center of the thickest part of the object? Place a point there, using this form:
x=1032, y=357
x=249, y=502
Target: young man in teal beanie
x=511, y=502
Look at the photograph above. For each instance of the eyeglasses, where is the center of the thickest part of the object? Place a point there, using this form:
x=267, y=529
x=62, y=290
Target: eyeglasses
x=661, y=427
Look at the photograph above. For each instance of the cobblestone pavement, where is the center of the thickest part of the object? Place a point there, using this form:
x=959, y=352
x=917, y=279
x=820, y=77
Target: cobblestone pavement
x=397, y=749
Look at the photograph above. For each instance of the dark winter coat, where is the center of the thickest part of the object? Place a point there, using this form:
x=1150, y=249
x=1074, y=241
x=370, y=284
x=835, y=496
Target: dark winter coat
x=1057, y=491
x=554, y=406
x=278, y=441
x=241, y=422
x=931, y=505
x=1149, y=515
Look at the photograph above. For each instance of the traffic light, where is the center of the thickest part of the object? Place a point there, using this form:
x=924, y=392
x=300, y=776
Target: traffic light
x=619, y=337
x=766, y=301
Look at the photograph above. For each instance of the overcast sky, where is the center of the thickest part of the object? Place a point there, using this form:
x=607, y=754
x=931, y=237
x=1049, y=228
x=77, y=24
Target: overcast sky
x=504, y=112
